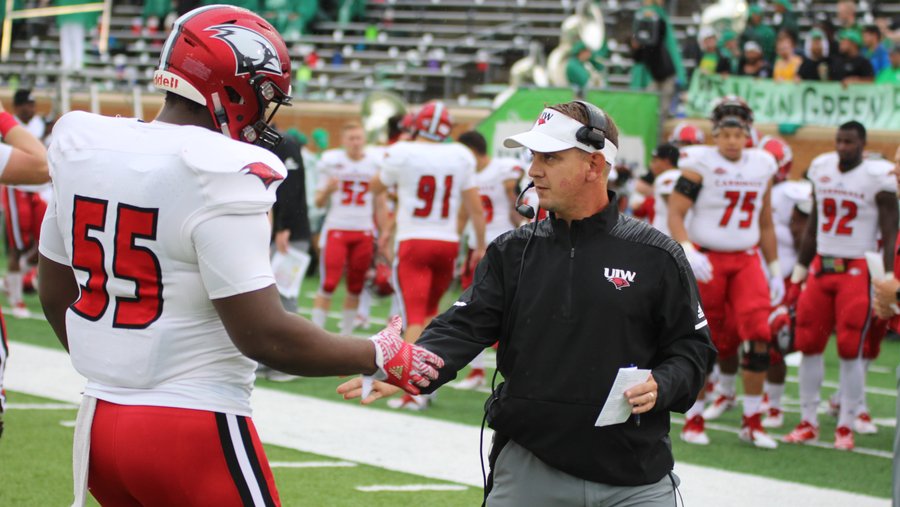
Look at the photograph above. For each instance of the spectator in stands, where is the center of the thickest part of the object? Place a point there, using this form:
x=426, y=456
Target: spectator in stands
x=874, y=50
x=583, y=65
x=155, y=11
x=846, y=15
x=709, y=59
x=787, y=63
x=890, y=29
x=753, y=64
x=787, y=18
x=656, y=54
x=729, y=54
x=290, y=17
x=849, y=66
x=891, y=75
x=816, y=57
x=72, y=31
x=759, y=32
x=253, y=5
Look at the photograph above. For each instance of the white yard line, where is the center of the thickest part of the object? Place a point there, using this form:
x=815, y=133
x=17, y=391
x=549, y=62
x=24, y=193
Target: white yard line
x=312, y=464
x=41, y=406
x=415, y=445
x=409, y=488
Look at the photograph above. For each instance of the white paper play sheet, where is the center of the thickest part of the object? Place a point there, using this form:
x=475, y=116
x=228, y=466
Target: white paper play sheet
x=616, y=410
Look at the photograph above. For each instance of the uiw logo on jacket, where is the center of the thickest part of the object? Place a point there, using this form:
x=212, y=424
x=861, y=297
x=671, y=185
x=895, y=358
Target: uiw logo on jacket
x=619, y=277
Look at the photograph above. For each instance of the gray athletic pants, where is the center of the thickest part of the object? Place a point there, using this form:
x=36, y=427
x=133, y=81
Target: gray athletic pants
x=523, y=480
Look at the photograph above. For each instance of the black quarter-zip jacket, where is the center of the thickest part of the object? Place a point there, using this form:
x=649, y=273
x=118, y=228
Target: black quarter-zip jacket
x=602, y=293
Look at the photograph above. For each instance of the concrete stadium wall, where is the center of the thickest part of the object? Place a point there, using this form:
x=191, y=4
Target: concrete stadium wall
x=807, y=143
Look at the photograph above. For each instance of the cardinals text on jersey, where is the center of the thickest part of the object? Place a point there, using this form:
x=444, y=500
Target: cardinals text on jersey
x=845, y=202
x=726, y=213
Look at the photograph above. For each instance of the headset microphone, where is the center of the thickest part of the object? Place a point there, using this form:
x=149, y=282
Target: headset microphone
x=524, y=209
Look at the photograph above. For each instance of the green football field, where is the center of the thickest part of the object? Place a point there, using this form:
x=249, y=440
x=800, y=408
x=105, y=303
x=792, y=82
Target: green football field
x=35, y=460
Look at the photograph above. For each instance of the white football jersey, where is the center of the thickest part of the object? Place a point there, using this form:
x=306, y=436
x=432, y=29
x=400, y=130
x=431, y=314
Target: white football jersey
x=494, y=200
x=156, y=220
x=430, y=179
x=785, y=196
x=350, y=207
x=663, y=186
x=845, y=204
x=726, y=212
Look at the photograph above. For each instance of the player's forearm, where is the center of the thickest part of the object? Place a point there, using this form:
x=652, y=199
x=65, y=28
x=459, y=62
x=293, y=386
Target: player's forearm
x=321, y=198
x=302, y=348
x=479, y=225
x=888, y=216
x=768, y=243
x=808, y=243
x=19, y=137
x=59, y=292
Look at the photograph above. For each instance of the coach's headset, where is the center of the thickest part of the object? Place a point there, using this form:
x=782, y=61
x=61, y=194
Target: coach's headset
x=593, y=134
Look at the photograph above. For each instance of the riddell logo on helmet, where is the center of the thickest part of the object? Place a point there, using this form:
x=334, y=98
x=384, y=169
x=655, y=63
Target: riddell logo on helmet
x=161, y=81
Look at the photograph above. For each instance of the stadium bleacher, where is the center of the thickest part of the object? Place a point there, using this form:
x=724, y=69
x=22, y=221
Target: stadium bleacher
x=455, y=50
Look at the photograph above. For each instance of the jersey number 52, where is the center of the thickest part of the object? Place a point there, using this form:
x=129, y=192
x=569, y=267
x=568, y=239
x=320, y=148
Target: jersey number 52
x=130, y=262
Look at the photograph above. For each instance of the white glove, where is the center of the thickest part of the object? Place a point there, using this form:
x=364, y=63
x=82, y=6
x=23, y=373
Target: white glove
x=703, y=269
x=776, y=283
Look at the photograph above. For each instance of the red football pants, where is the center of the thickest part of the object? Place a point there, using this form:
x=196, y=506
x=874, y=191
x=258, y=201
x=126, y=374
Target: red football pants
x=736, y=301
x=424, y=270
x=838, y=302
x=24, y=212
x=350, y=249
x=143, y=455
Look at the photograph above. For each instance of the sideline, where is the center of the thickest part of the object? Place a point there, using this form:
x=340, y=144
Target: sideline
x=416, y=445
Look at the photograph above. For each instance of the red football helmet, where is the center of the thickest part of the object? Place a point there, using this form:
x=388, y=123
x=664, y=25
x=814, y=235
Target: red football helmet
x=433, y=121
x=381, y=283
x=233, y=62
x=686, y=134
x=782, y=152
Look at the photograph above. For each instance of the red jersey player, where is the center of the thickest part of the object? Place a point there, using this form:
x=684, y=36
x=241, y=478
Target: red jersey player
x=855, y=202
x=727, y=188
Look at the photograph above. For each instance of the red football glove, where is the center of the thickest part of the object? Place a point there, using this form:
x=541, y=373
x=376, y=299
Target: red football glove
x=792, y=294
x=402, y=364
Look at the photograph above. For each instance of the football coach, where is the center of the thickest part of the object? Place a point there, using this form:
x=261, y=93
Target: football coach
x=572, y=299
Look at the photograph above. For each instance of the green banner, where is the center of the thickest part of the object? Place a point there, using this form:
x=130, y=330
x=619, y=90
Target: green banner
x=806, y=103
x=635, y=113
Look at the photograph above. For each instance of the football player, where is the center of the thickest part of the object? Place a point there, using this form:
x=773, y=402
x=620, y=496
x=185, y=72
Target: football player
x=664, y=166
x=155, y=257
x=496, y=178
x=686, y=134
x=347, y=241
x=855, y=202
x=791, y=204
x=23, y=209
x=23, y=160
x=433, y=180
x=727, y=187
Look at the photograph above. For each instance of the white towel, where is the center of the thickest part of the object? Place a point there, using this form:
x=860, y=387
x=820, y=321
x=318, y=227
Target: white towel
x=81, y=449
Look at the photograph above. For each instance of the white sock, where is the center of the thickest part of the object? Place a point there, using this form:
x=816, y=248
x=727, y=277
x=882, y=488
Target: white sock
x=752, y=403
x=318, y=317
x=347, y=318
x=727, y=383
x=14, y=286
x=812, y=372
x=775, y=392
x=696, y=409
x=864, y=406
x=478, y=362
x=364, y=308
x=852, y=378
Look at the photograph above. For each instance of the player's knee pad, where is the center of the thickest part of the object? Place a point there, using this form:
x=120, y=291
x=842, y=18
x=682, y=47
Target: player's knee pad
x=753, y=360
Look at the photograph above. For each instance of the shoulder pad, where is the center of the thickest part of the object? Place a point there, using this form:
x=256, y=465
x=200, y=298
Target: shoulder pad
x=878, y=168
x=797, y=191
x=234, y=177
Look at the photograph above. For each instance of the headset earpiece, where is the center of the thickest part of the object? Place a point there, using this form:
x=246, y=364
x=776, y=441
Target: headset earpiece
x=594, y=133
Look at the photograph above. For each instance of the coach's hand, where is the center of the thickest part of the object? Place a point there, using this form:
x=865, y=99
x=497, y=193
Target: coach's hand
x=885, y=297
x=353, y=388
x=402, y=364
x=643, y=396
